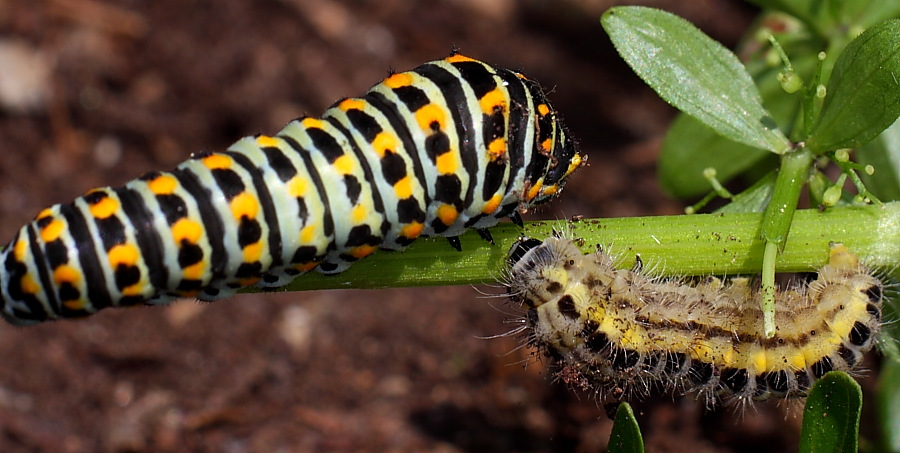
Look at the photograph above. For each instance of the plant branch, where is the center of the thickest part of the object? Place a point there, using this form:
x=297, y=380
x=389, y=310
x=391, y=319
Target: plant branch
x=700, y=244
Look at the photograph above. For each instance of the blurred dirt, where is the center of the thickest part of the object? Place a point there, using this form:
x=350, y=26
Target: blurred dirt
x=111, y=89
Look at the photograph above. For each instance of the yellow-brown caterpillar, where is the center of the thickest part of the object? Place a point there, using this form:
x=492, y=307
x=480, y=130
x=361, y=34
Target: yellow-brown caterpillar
x=622, y=331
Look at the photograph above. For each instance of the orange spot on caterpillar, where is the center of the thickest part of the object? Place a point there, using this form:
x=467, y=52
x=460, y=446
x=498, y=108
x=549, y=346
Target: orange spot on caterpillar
x=163, y=185
x=104, y=208
x=46, y=212
x=398, y=80
x=431, y=117
x=29, y=285
x=549, y=190
x=447, y=213
x=187, y=230
x=194, y=272
x=492, y=204
x=344, y=165
x=244, y=205
x=494, y=99
x=66, y=274
x=458, y=58
x=547, y=145
x=308, y=234
x=123, y=255
x=534, y=190
x=359, y=214
x=497, y=149
x=412, y=230
x=20, y=250
x=384, y=143
x=297, y=187
x=136, y=289
x=352, y=104
x=312, y=123
x=403, y=188
x=249, y=281
x=75, y=304
x=447, y=163
x=306, y=267
x=52, y=231
x=267, y=142
x=217, y=162
x=253, y=252
x=362, y=251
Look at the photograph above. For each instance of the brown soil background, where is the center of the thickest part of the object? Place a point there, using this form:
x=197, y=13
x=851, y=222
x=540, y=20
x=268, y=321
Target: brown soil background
x=137, y=86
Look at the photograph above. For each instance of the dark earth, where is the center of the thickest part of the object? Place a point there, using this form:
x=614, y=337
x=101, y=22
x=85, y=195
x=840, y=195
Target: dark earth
x=113, y=89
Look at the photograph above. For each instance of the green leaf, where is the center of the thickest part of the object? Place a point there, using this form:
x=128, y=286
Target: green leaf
x=690, y=147
x=816, y=187
x=883, y=154
x=888, y=400
x=694, y=73
x=831, y=416
x=754, y=199
x=626, y=434
x=864, y=91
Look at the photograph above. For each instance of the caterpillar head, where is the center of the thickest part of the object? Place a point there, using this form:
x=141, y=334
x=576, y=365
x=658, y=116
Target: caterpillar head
x=535, y=270
x=562, y=159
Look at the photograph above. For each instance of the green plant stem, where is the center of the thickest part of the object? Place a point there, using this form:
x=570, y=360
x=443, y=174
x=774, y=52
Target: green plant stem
x=776, y=223
x=792, y=176
x=767, y=287
x=701, y=244
x=810, y=99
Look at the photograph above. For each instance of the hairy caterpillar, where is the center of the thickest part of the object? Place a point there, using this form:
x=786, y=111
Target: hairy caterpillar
x=621, y=332
x=451, y=145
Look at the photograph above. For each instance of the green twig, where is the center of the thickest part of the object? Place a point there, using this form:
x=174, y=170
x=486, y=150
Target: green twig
x=776, y=223
x=700, y=244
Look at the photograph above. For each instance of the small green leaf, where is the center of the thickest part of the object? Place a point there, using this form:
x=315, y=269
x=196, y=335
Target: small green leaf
x=864, y=91
x=694, y=73
x=888, y=398
x=831, y=416
x=754, y=199
x=689, y=147
x=883, y=154
x=819, y=185
x=626, y=434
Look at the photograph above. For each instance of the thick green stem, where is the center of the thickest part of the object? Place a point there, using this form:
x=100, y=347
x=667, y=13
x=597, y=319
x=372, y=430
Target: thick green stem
x=792, y=176
x=767, y=287
x=779, y=213
x=702, y=244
